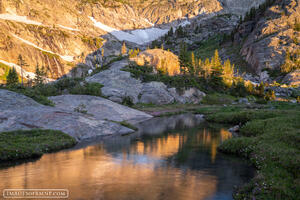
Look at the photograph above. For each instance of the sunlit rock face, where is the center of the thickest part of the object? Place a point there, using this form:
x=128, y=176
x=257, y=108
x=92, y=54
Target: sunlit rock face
x=240, y=7
x=293, y=78
x=60, y=34
x=272, y=36
x=159, y=59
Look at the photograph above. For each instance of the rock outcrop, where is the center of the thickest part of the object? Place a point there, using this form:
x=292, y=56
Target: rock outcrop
x=120, y=85
x=292, y=78
x=20, y=112
x=60, y=34
x=155, y=93
x=99, y=108
x=270, y=36
x=160, y=60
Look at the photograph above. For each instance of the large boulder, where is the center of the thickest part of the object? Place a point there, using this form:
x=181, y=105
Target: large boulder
x=99, y=107
x=160, y=60
x=20, y=112
x=118, y=84
x=155, y=93
x=188, y=96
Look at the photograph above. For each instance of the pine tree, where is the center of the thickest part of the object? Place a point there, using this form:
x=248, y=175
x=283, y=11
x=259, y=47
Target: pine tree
x=12, y=78
x=261, y=89
x=192, y=64
x=171, y=32
x=227, y=73
x=124, y=49
x=22, y=64
x=183, y=58
x=217, y=62
x=39, y=75
x=180, y=32
x=207, y=69
x=199, y=67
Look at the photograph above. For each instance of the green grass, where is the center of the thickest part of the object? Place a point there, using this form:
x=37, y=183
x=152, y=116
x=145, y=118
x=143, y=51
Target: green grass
x=32, y=143
x=270, y=138
x=126, y=124
x=218, y=99
x=208, y=47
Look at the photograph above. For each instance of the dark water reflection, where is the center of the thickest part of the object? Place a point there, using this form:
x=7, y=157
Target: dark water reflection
x=170, y=158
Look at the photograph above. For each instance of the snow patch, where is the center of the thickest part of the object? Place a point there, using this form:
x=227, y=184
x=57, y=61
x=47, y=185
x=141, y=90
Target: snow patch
x=146, y=20
x=184, y=23
x=102, y=26
x=18, y=18
x=19, y=70
x=66, y=58
x=68, y=28
x=138, y=36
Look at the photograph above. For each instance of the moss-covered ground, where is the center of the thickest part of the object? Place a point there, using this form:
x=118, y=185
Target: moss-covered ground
x=32, y=143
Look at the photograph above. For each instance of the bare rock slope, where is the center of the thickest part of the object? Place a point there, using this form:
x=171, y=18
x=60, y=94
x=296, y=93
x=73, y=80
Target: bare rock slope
x=20, y=112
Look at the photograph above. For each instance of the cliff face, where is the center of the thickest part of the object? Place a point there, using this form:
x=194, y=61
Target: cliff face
x=59, y=34
x=272, y=35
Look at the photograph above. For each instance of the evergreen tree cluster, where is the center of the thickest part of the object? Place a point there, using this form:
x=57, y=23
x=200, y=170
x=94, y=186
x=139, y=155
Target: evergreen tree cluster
x=133, y=52
x=207, y=68
x=219, y=75
x=12, y=78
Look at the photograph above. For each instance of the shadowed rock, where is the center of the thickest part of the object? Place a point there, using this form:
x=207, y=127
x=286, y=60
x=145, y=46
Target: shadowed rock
x=119, y=85
x=20, y=112
x=99, y=108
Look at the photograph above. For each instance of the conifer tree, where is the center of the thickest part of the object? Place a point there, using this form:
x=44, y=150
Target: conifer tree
x=183, y=58
x=227, y=73
x=40, y=75
x=22, y=64
x=124, y=49
x=261, y=89
x=171, y=32
x=192, y=64
x=12, y=77
x=207, y=69
x=216, y=62
x=199, y=67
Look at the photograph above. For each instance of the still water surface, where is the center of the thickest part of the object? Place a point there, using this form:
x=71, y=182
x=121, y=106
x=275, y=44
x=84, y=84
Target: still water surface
x=170, y=158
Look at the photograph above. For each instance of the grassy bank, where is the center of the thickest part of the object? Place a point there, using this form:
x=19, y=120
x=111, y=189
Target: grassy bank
x=270, y=138
x=32, y=143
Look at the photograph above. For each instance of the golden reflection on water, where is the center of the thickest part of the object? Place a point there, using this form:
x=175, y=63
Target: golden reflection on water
x=136, y=172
